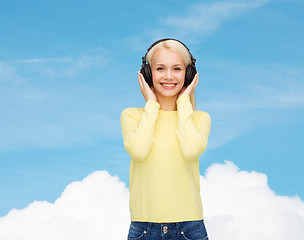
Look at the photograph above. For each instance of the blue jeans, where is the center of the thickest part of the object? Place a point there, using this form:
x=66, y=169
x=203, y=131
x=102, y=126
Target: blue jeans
x=188, y=230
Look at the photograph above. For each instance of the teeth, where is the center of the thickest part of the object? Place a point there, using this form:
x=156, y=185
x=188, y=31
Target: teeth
x=168, y=85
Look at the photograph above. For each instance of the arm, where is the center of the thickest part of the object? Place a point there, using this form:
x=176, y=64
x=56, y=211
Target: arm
x=193, y=129
x=138, y=127
x=138, y=130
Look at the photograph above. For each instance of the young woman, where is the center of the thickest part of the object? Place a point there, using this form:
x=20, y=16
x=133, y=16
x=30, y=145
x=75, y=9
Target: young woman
x=165, y=139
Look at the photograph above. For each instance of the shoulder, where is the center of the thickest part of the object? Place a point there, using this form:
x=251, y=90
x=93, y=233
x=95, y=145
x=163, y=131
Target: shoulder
x=132, y=112
x=201, y=115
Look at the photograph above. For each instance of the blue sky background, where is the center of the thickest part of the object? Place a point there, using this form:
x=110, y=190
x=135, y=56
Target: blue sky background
x=68, y=69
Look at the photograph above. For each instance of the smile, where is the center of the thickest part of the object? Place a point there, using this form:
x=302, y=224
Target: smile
x=168, y=85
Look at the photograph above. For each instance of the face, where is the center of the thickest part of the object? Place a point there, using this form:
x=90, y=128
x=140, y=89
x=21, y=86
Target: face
x=168, y=73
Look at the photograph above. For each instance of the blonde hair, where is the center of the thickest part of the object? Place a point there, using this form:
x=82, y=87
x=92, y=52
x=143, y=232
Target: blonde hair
x=171, y=45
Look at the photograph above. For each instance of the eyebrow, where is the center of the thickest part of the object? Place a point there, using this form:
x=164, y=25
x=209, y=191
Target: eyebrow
x=161, y=64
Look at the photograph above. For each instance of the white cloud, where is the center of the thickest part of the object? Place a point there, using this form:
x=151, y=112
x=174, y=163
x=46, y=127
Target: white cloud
x=5, y=72
x=64, y=66
x=195, y=22
x=48, y=117
x=241, y=97
x=238, y=205
x=207, y=17
x=9, y=75
x=57, y=102
x=47, y=60
x=95, y=208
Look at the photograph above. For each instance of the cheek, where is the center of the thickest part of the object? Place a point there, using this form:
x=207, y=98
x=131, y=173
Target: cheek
x=180, y=86
x=182, y=78
x=155, y=77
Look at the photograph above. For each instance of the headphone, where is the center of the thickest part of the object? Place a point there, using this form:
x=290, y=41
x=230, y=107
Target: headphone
x=146, y=69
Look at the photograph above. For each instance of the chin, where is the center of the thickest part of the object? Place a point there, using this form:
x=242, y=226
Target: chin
x=169, y=93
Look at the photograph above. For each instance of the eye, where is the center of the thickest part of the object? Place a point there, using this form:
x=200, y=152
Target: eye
x=160, y=69
x=178, y=68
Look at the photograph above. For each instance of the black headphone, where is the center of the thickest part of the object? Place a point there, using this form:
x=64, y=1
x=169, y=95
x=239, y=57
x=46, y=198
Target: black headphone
x=146, y=69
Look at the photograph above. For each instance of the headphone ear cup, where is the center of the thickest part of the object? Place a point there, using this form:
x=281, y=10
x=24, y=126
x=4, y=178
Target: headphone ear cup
x=190, y=73
x=146, y=72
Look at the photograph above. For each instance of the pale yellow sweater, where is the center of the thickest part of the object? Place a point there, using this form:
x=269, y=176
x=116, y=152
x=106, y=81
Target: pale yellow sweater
x=164, y=173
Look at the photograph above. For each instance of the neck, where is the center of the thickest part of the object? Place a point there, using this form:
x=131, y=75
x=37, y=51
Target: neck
x=167, y=103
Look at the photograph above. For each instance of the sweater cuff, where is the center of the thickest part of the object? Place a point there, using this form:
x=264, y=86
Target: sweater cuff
x=152, y=108
x=152, y=104
x=184, y=105
x=182, y=99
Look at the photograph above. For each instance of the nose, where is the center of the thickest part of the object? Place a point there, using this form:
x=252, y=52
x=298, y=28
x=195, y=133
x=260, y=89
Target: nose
x=169, y=75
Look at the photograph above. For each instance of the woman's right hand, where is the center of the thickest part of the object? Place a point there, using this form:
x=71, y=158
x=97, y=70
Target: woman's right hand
x=147, y=91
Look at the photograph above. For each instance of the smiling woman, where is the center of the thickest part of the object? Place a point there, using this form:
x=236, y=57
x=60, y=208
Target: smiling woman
x=164, y=140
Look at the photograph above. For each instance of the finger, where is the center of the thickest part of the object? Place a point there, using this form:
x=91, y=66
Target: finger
x=140, y=80
x=196, y=82
x=140, y=76
x=196, y=77
x=145, y=83
x=140, y=84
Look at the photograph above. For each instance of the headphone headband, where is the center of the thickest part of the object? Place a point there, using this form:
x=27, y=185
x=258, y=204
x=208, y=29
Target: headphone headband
x=144, y=58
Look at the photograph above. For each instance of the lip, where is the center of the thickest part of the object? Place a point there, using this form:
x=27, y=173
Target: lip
x=172, y=85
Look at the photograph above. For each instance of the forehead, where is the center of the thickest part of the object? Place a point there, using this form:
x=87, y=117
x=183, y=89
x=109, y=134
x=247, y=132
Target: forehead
x=167, y=57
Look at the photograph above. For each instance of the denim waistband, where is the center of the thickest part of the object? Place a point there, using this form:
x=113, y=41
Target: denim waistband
x=172, y=226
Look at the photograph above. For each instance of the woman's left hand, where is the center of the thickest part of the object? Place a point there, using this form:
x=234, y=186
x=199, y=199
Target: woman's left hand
x=189, y=90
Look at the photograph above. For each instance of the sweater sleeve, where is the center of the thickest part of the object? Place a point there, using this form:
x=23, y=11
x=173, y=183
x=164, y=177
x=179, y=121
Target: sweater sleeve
x=138, y=129
x=193, y=129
